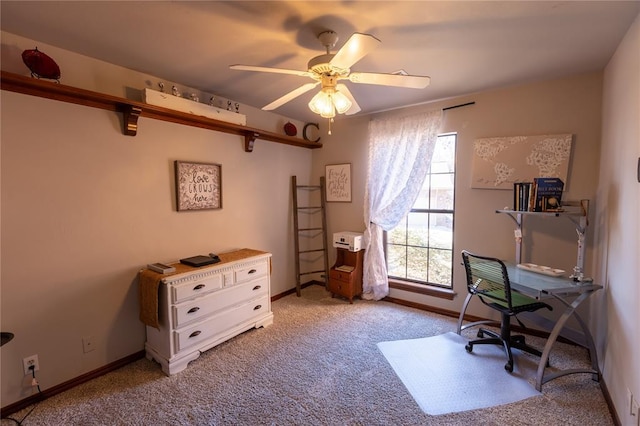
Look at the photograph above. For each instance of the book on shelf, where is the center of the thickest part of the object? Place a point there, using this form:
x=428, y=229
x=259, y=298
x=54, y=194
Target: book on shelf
x=522, y=196
x=543, y=194
x=547, y=194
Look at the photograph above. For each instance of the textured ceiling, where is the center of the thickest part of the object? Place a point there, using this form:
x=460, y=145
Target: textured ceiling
x=465, y=47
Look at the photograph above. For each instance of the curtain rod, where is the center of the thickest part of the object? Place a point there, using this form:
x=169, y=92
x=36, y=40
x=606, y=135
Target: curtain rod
x=458, y=106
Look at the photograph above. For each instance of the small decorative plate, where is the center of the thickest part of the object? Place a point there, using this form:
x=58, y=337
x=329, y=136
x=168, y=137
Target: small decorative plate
x=290, y=129
x=40, y=64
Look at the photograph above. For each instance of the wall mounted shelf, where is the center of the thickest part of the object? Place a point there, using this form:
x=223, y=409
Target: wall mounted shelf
x=132, y=110
x=578, y=215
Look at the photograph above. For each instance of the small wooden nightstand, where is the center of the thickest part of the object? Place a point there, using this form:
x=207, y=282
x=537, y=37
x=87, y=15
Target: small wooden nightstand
x=345, y=277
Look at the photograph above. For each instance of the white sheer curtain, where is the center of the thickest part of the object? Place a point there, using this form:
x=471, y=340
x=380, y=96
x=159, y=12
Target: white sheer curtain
x=400, y=151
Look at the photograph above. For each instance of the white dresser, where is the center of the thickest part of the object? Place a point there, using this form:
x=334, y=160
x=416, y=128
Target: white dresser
x=202, y=307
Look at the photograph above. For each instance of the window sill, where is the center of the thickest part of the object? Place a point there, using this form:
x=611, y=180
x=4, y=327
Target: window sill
x=443, y=293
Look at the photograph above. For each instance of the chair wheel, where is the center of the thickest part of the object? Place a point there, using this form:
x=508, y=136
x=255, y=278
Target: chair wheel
x=509, y=367
x=480, y=334
x=468, y=347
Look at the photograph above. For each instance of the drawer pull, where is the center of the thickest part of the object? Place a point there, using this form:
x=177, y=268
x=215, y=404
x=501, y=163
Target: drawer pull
x=192, y=310
x=195, y=333
x=258, y=287
x=253, y=271
x=257, y=307
x=199, y=287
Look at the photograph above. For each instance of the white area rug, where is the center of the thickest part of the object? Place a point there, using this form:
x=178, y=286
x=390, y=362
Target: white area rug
x=443, y=378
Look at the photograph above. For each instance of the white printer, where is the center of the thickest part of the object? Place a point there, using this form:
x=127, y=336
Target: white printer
x=351, y=241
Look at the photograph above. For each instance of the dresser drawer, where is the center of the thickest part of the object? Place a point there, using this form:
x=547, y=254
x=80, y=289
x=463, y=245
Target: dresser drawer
x=201, y=332
x=251, y=272
x=340, y=287
x=195, y=287
x=201, y=307
x=340, y=275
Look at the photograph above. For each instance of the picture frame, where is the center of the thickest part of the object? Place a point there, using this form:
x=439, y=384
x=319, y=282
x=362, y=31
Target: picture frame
x=500, y=162
x=338, y=183
x=198, y=186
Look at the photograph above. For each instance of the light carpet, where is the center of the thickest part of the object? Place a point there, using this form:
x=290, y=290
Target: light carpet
x=443, y=378
x=317, y=365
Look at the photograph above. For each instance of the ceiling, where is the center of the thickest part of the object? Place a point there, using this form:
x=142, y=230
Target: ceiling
x=465, y=47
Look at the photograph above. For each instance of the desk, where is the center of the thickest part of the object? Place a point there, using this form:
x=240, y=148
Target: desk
x=571, y=294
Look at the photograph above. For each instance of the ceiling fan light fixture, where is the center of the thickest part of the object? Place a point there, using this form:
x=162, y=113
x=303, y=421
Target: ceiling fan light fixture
x=327, y=101
x=329, y=68
x=341, y=102
x=322, y=104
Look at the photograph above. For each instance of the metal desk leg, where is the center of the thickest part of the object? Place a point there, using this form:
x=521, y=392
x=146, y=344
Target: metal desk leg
x=540, y=378
x=593, y=354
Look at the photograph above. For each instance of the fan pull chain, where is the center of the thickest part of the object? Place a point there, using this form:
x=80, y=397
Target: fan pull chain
x=330, y=121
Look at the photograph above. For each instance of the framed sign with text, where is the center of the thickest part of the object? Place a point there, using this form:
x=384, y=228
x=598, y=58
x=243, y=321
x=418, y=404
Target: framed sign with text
x=198, y=186
x=338, y=182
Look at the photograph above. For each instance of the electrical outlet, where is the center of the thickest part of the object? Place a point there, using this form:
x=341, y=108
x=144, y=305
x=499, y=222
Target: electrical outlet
x=88, y=344
x=29, y=362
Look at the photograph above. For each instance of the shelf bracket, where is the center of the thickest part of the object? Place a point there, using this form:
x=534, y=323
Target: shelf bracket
x=249, y=140
x=580, y=224
x=517, y=218
x=131, y=114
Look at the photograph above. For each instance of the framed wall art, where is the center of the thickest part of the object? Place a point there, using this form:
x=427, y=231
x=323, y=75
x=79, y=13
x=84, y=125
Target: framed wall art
x=338, y=182
x=198, y=186
x=500, y=162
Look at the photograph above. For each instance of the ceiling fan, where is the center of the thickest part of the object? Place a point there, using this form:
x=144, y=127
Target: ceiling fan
x=328, y=69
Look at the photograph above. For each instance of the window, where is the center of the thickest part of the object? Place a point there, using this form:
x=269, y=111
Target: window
x=420, y=248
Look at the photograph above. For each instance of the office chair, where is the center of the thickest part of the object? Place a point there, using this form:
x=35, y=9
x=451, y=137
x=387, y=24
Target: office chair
x=488, y=279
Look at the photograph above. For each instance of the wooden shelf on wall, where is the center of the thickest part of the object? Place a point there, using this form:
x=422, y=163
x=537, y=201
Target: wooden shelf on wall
x=132, y=110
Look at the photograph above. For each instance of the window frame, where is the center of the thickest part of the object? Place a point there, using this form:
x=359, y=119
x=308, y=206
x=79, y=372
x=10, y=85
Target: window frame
x=425, y=287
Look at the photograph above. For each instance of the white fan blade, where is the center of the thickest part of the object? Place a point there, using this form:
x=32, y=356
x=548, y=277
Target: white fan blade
x=354, y=105
x=289, y=96
x=409, y=81
x=272, y=70
x=356, y=48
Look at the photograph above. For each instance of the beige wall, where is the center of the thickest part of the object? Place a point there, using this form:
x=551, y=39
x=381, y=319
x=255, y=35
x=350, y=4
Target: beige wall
x=92, y=206
x=568, y=105
x=618, y=222
x=577, y=105
x=92, y=74
x=85, y=207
